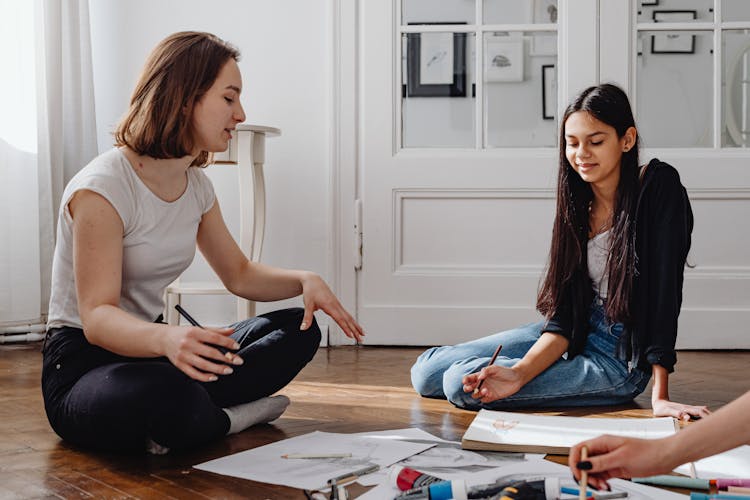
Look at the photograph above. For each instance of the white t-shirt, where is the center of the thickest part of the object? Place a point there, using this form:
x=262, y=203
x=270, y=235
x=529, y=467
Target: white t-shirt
x=598, y=251
x=159, y=238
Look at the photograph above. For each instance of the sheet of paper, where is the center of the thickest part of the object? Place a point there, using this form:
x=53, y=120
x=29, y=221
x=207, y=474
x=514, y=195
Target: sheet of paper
x=732, y=463
x=445, y=460
x=265, y=464
x=548, y=431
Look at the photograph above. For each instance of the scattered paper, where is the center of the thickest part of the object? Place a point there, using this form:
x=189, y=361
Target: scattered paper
x=733, y=463
x=265, y=464
x=445, y=460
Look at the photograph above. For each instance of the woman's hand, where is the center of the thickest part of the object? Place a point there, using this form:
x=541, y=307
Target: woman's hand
x=190, y=349
x=615, y=456
x=316, y=295
x=666, y=408
x=499, y=382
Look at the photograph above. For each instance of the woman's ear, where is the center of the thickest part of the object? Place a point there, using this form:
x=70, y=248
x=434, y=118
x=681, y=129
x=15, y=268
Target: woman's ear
x=628, y=139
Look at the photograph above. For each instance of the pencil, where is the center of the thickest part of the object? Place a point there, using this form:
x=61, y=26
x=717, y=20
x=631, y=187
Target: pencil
x=492, y=361
x=317, y=455
x=185, y=315
x=584, y=475
x=191, y=320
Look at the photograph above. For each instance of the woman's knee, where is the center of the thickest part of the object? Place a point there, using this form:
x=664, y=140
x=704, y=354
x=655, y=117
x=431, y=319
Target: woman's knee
x=426, y=375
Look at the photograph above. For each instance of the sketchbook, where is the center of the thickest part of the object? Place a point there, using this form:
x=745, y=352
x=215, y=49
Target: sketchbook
x=504, y=431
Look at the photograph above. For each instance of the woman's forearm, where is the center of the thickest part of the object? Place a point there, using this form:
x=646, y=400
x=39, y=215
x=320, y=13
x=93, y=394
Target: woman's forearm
x=545, y=351
x=264, y=283
x=110, y=327
x=728, y=428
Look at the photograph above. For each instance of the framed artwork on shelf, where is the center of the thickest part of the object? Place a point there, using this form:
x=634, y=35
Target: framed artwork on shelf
x=673, y=42
x=549, y=91
x=503, y=59
x=436, y=65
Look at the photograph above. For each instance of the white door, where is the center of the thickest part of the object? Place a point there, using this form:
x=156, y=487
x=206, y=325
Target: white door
x=457, y=190
x=458, y=159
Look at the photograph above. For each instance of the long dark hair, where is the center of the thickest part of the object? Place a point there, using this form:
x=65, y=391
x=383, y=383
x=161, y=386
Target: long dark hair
x=567, y=273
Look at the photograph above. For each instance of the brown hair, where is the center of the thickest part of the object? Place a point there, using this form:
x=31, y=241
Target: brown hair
x=567, y=273
x=177, y=73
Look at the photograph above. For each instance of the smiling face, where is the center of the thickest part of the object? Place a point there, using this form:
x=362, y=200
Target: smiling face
x=594, y=150
x=219, y=110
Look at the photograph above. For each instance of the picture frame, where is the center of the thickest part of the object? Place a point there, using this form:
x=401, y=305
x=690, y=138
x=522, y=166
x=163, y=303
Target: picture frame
x=503, y=59
x=549, y=91
x=673, y=42
x=436, y=64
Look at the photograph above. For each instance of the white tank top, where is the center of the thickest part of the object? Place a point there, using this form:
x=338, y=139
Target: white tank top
x=598, y=251
x=159, y=237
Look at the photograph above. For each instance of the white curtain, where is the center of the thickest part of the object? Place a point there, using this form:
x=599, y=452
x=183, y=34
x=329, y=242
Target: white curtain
x=58, y=41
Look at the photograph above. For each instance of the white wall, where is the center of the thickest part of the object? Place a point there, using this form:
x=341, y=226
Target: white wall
x=285, y=67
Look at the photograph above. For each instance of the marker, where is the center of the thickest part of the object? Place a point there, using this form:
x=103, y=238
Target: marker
x=719, y=496
x=492, y=362
x=738, y=490
x=675, y=482
x=722, y=484
x=319, y=455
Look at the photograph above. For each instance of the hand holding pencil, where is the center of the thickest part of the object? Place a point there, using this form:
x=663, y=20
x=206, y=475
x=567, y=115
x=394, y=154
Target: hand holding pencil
x=493, y=382
x=201, y=353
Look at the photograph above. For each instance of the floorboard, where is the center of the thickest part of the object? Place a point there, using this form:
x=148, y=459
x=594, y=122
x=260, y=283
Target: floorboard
x=344, y=389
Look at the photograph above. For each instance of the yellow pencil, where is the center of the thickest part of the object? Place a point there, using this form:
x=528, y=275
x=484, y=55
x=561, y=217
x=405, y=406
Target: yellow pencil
x=582, y=488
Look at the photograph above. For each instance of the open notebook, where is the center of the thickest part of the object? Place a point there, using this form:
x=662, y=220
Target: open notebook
x=504, y=431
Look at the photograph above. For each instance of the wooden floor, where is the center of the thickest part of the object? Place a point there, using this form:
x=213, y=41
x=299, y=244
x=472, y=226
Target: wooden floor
x=344, y=389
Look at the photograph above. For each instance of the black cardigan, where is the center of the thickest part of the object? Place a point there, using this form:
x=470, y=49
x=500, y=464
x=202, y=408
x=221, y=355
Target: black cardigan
x=663, y=225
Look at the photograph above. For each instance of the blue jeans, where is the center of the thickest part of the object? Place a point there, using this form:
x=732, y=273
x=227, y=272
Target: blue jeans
x=594, y=377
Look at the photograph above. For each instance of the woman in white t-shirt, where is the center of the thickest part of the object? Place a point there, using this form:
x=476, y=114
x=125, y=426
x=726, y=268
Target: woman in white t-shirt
x=116, y=378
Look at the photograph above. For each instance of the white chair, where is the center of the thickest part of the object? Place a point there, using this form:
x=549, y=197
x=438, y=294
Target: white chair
x=247, y=150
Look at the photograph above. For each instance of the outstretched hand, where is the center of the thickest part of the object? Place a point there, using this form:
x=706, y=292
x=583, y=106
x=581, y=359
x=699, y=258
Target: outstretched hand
x=192, y=349
x=316, y=295
x=666, y=408
x=615, y=456
x=499, y=382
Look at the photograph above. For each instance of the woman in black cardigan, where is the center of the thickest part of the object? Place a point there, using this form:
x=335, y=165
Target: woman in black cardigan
x=613, y=288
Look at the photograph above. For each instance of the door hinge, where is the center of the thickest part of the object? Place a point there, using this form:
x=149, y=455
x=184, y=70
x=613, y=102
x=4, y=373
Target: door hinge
x=358, y=234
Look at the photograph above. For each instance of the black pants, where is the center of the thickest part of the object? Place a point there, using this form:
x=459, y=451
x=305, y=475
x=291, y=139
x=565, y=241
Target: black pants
x=97, y=399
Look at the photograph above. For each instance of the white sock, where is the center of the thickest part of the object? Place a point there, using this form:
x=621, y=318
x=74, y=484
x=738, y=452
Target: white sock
x=155, y=448
x=261, y=411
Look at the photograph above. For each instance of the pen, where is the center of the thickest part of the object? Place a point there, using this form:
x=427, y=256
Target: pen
x=492, y=361
x=353, y=475
x=317, y=455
